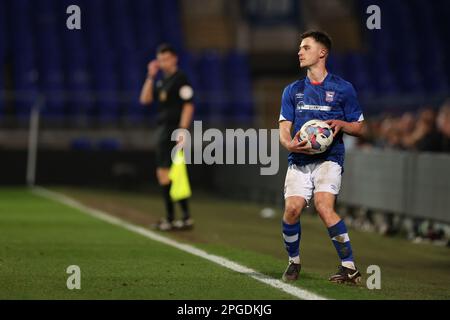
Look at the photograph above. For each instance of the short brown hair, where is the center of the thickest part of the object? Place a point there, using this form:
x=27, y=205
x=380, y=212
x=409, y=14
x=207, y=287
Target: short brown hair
x=165, y=47
x=319, y=36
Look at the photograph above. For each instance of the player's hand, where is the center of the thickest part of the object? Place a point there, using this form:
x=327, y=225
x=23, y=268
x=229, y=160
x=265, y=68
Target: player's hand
x=299, y=146
x=336, y=126
x=152, y=68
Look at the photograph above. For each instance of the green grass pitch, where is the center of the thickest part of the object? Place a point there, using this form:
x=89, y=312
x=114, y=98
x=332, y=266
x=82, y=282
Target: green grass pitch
x=40, y=238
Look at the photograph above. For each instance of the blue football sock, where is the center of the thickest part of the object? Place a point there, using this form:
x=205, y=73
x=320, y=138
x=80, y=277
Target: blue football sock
x=291, y=236
x=339, y=237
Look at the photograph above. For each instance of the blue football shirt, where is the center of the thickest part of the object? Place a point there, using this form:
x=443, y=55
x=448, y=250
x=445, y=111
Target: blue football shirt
x=334, y=98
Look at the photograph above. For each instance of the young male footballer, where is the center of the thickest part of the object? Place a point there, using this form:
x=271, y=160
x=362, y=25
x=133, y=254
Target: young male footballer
x=324, y=96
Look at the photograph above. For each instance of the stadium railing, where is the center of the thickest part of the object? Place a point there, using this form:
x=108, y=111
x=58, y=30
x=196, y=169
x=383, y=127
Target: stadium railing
x=410, y=184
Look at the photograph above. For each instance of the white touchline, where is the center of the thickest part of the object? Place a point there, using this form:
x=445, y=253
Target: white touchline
x=292, y=290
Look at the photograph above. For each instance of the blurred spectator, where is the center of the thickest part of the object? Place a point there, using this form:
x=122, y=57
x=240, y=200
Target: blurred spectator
x=367, y=138
x=384, y=131
x=443, y=125
x=428, y=131
x=406, y=125
x=425, y=136
x=394, y=136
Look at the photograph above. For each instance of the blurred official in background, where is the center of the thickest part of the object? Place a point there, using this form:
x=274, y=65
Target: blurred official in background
x=174, y=96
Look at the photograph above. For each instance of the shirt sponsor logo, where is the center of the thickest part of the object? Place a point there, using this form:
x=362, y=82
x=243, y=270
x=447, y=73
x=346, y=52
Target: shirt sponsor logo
x=315, y=107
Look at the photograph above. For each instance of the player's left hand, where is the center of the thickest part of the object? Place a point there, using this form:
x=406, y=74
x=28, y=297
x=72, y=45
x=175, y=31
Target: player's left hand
x=336, y=126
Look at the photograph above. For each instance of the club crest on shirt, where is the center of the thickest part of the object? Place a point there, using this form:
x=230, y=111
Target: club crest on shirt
x=329, y=96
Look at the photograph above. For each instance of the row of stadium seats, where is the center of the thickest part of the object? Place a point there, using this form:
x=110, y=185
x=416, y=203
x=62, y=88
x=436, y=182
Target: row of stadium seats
x=97, y=72
x=86, y=144
x=408, y=55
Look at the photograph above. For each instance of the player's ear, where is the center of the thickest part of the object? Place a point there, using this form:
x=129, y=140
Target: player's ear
x=323, y=53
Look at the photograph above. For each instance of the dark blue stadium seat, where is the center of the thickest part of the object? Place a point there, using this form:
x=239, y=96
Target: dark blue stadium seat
x=171, y=26
x=106, y=86
x=239, y=87
x=81, y=144
x=3, y=50
x=108, y=144
x=122, y=27
x=355, y=70
x=213, y=97
x=2, y=89
x=3, y=31
x=335, y=63
x=25, y=76
x=132, y=76
x=383, y=78
x=52, y=86
x=148, y=24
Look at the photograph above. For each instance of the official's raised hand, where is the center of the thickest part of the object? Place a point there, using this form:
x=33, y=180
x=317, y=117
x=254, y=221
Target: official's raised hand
x=152, y=68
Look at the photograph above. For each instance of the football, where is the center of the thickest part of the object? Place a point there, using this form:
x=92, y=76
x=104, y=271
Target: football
x=318, y=134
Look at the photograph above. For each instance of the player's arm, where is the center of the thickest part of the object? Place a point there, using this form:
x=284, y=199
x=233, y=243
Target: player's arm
x=285, y=125
x=292, y=144
x=352, y=128
x=146, y=96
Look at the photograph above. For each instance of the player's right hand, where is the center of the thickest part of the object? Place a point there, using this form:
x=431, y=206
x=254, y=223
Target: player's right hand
x=298, y=146
x=152, y=68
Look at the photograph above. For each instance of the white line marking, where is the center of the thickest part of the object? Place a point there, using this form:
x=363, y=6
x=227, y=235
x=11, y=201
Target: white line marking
x=290, y=289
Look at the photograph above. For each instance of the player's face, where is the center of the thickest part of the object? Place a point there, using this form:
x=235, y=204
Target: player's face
x=310, y=52
x=167, y=61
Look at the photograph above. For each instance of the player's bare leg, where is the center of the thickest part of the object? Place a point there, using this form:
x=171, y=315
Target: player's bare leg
x=347, y=271
x=293, y=208
x=324, y=204
x=292, y=234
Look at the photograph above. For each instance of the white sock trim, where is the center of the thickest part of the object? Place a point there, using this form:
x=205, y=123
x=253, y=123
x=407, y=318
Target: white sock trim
x=290, y=239
x=349, y=264
x=294, y=259
x=342, y=238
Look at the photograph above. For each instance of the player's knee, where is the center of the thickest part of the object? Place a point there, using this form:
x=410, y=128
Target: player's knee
x=323, y=208
x=292, y=212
